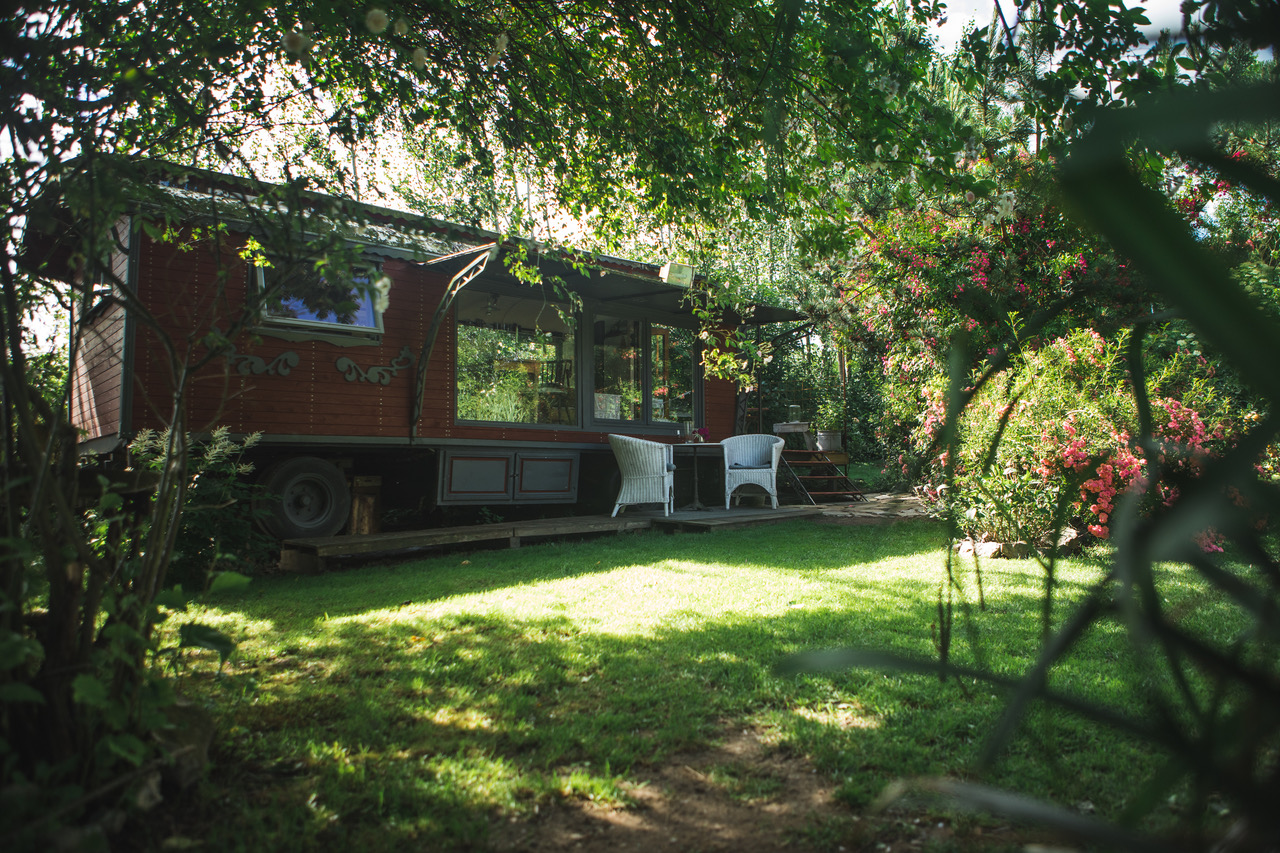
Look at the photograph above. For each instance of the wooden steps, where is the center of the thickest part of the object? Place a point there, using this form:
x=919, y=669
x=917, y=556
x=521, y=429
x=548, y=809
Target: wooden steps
x=818, y=474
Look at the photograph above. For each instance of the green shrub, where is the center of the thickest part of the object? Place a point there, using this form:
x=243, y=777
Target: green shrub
x=219, y=532
x=1051, y=440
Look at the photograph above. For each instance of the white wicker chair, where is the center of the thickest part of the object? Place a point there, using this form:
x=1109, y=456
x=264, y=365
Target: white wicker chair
x=752, y=459
x=648, y=472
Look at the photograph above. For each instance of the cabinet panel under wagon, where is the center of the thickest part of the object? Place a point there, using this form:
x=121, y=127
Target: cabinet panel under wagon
x=496, y=477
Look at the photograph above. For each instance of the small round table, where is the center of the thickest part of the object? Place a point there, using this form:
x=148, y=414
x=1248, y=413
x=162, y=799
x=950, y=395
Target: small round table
x=694, y=446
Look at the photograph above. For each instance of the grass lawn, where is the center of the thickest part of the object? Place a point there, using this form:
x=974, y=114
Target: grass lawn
x=409, y=705
x=870, y=473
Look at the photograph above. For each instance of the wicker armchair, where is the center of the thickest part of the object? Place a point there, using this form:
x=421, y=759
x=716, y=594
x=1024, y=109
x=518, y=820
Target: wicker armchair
x=648, y=472
x=752, y=459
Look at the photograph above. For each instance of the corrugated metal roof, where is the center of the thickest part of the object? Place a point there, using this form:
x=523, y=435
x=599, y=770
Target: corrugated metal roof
x=399, y=240
x=422, y=239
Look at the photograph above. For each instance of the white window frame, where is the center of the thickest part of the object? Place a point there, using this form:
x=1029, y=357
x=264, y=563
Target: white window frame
x=371, y=270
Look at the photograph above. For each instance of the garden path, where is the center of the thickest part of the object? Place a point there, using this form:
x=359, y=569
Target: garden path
x=878, y=508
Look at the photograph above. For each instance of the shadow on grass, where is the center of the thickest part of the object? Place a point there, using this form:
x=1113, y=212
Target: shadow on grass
x=415, y=727
x=802, y=549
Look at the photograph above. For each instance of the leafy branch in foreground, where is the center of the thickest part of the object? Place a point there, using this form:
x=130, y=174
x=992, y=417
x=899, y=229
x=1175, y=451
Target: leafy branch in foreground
x=1212, y=701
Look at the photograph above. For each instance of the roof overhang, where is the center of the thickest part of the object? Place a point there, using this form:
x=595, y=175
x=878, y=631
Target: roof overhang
x=201, y=196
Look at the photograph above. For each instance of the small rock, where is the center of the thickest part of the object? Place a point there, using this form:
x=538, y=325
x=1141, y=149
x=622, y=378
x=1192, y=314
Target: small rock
x=1072, y=541
x=989, y=549
x=1017, y=550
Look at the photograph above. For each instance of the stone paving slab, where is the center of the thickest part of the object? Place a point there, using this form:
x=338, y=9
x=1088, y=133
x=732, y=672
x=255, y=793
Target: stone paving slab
x=881, y=506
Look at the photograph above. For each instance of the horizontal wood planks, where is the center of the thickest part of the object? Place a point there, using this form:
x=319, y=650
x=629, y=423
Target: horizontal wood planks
x=721, y=400
x=98, y=372
x=311, y=554
x=97, y=377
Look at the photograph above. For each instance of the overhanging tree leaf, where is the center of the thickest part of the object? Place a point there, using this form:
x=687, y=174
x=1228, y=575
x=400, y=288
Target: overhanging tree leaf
x=1138, y=220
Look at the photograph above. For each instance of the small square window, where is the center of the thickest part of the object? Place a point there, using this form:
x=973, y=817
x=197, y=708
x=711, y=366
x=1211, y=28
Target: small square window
x=333, y=307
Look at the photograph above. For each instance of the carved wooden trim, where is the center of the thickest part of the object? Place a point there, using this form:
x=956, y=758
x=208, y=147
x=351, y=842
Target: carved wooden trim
x=252, y=365
x=353, y=372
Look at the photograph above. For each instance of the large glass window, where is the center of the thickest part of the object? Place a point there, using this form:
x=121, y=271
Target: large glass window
x=671, y=374
x=618, y=357
x=515, y=358
x=625, y=389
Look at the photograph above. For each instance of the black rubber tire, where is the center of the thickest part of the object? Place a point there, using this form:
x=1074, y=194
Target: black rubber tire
x=308, y=497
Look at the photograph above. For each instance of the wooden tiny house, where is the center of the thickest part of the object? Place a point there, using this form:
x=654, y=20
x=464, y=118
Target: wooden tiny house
x=466, y=386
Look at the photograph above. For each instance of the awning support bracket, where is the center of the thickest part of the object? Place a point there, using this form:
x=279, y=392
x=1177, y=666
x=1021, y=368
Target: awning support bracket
x=464, y=277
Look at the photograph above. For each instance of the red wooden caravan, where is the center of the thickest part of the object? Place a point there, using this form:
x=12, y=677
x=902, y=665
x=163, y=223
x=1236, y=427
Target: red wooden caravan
x=426, y=362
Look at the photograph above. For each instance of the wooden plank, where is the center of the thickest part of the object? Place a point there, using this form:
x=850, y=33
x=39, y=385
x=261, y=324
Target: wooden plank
x=694, y=522
x=585, y=524
x=97, y=375
x=719, y=405
x=378, y=542
x=298, y=561
x=353, y=546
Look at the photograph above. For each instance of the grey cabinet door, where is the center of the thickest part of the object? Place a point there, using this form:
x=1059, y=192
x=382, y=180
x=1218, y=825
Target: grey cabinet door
x=511, y=477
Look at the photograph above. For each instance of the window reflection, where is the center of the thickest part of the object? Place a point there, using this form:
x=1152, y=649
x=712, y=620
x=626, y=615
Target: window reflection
x=515, y=360
x=617, y=358
x=671, y=378
x=305, y=297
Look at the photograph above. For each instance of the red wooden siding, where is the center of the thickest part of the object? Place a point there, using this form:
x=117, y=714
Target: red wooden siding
x=191, y=292
x=314, y=397
x=720, y=401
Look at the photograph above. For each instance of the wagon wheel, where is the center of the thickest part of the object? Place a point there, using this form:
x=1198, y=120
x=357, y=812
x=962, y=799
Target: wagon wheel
x=308, y=497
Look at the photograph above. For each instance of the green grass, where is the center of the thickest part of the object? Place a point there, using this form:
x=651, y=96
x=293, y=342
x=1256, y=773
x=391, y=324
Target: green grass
x=871, y=473
x=406, y=705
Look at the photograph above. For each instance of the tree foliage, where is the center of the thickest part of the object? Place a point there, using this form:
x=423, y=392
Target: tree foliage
x=831, y=129
x=1129, y=450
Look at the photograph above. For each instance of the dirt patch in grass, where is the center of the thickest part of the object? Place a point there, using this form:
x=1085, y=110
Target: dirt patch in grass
x=743, y=795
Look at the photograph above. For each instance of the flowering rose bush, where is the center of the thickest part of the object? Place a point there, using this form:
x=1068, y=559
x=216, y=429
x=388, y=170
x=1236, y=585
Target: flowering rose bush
x=985, y=267
x=1065, y=418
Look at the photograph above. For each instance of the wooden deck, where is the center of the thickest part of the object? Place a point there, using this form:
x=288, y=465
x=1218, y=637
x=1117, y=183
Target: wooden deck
x=317, y=554
x=721, y=519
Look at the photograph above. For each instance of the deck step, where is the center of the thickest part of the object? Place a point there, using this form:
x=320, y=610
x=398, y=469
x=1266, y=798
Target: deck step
x=730, y=519
x=803, y=467
x=311, y=554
